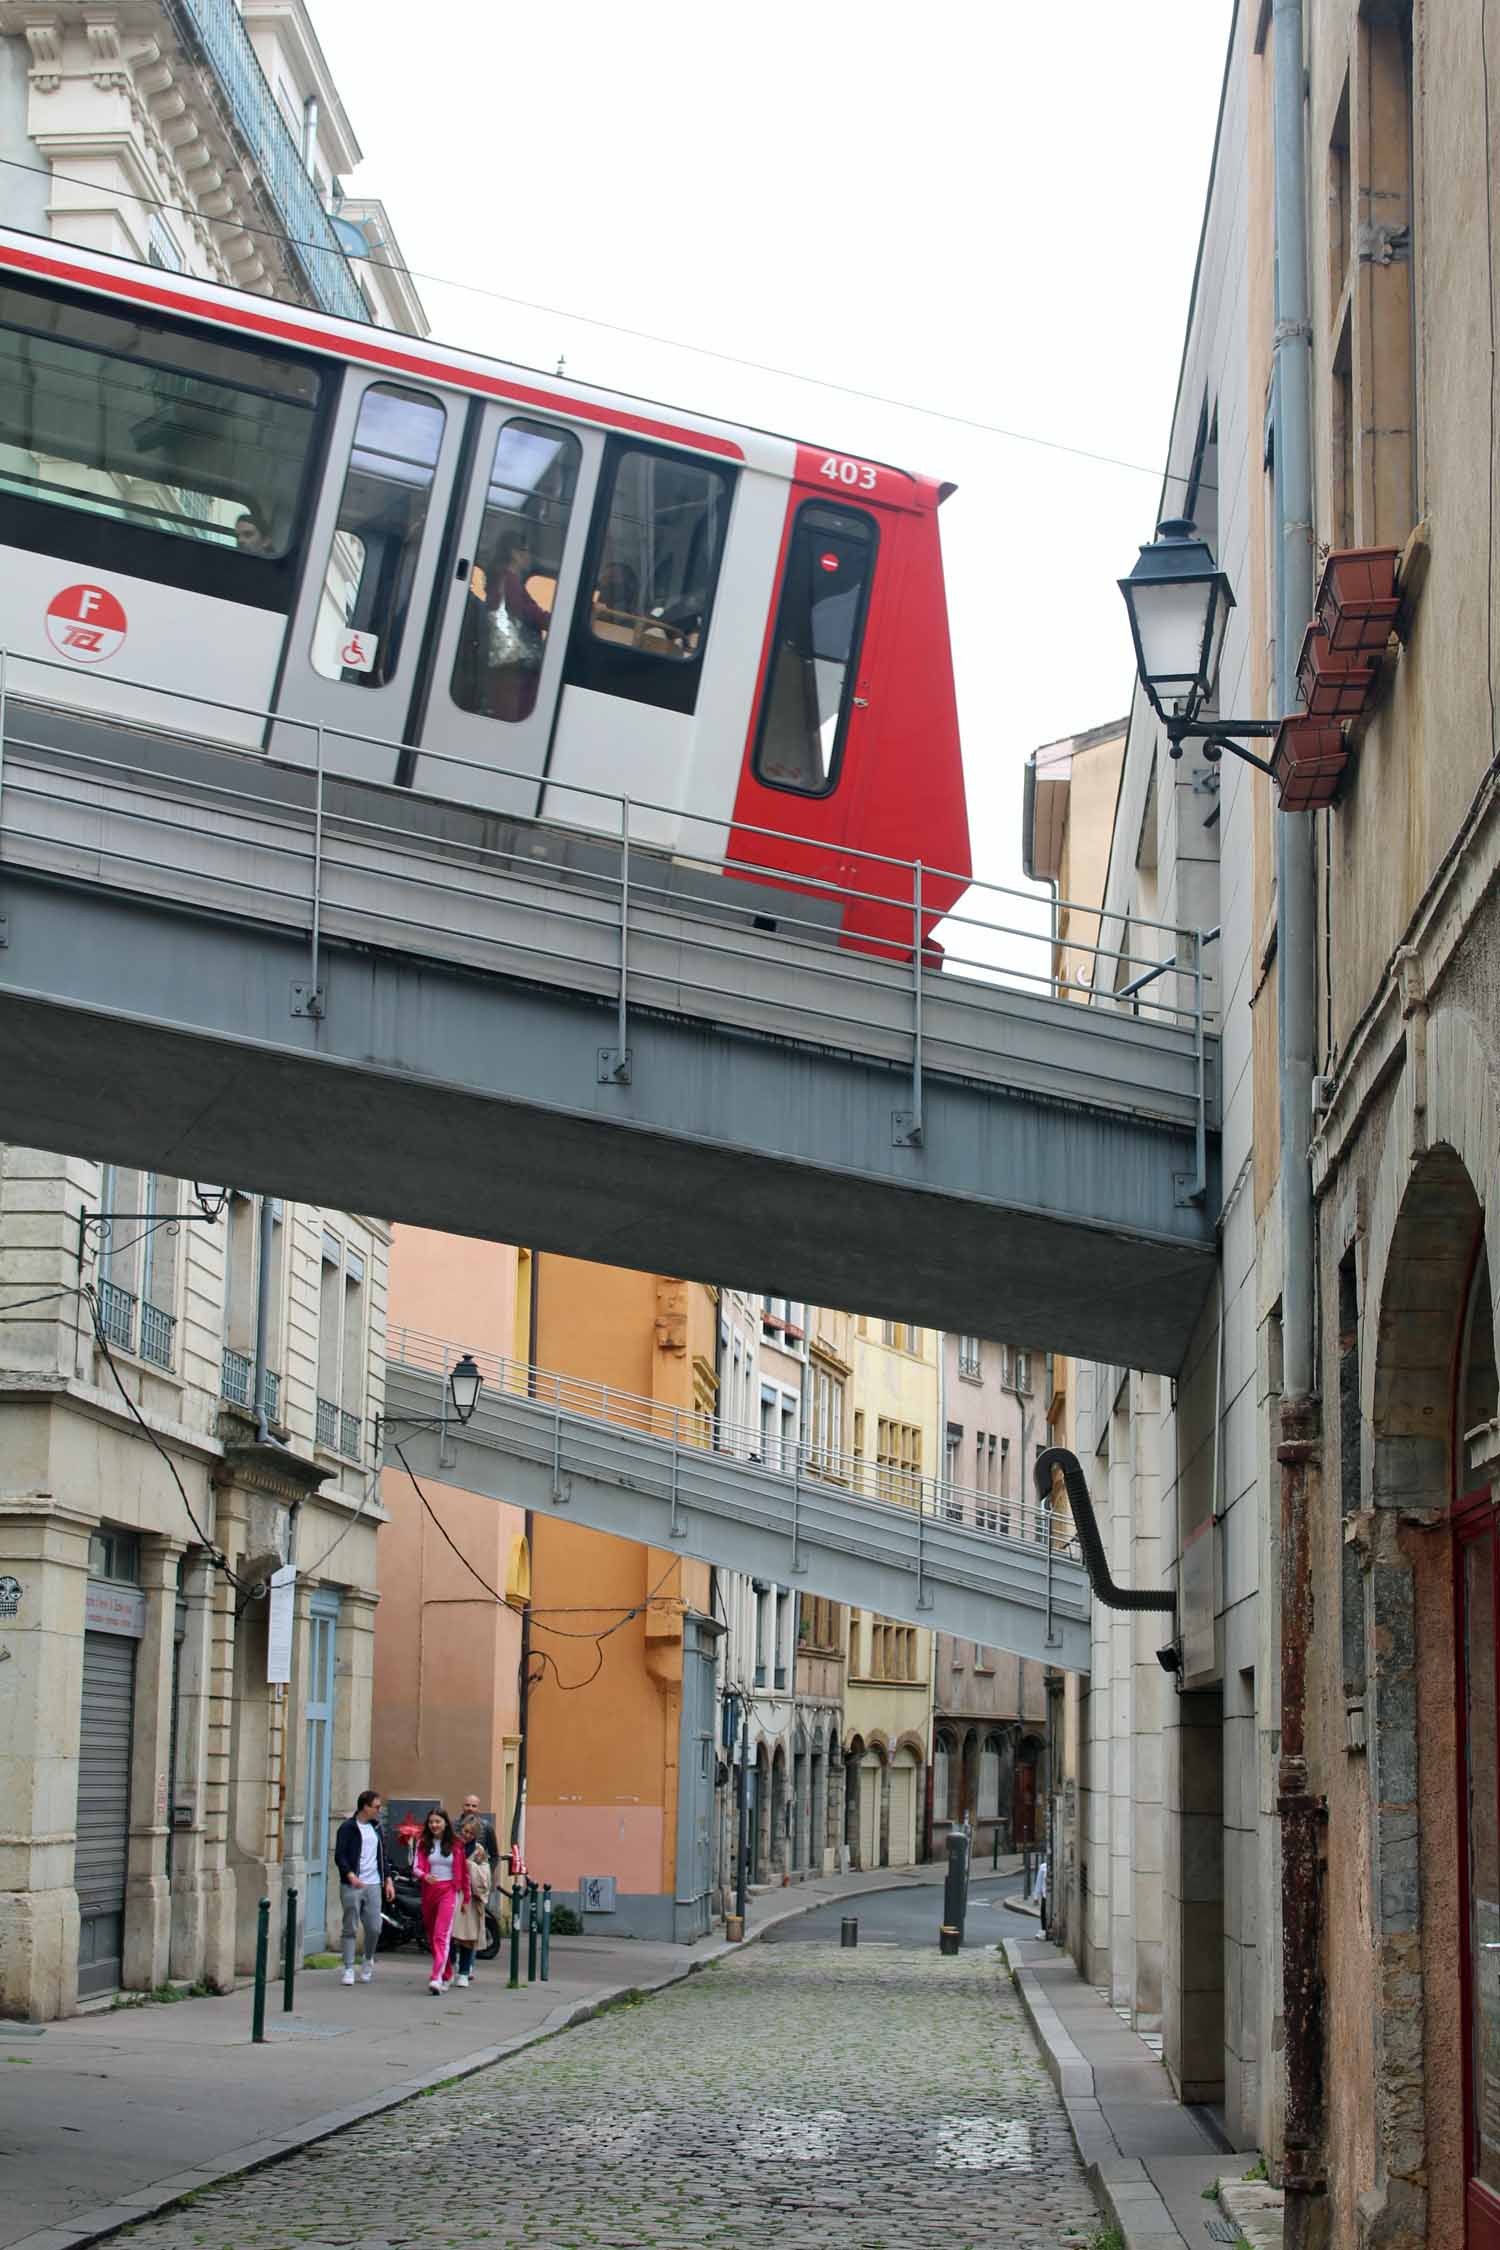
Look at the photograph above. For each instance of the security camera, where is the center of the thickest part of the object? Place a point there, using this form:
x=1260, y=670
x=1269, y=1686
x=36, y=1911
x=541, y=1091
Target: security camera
x=1170, y=1657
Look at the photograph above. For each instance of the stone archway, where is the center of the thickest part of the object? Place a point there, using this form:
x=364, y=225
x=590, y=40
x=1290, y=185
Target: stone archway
x=854, y=1750
x=1437, y=1199
x=760, y=1857
x=780, y=1841
x=797, y=1848
x=817, y=1806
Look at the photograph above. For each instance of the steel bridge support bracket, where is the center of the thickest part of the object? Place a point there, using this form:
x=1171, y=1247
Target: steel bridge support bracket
x=906, y=1128
x=307, y=1000
x=614, y=1066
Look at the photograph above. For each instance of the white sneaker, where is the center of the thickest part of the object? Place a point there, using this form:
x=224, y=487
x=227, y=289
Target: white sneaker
x=436, y=1986
x=463, y=1984
x=366, y=1972
x=347, y=1977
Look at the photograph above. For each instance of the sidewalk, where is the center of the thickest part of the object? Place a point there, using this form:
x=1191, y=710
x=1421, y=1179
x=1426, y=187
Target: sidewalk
x=109, y=2116
x=1150, y=2161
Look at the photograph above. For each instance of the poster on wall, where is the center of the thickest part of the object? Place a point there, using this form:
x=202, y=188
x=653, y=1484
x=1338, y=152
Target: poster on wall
x=279, y=1628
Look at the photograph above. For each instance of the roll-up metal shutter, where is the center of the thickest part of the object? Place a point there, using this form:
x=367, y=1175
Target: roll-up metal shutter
x=99, y=1863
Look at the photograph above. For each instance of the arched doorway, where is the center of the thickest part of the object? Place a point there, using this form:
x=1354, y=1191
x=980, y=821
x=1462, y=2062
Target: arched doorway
x=1420, y=1601
x=871, y=1775
x=902, y=1833
x=799, y=1801
x=989, y=1779
x=817, y=1798
x=944, y=1751
x=853, y=1755
x=776, y=1857
x=1476, y=1536
x=758, y=1814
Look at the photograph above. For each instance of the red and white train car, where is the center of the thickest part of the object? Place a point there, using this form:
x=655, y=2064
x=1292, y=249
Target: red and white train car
x=479, y=583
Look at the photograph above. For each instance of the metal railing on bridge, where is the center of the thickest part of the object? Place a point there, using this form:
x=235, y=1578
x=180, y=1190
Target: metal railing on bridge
x=1000, y=1516
x=997, y=1568
x=634, y=923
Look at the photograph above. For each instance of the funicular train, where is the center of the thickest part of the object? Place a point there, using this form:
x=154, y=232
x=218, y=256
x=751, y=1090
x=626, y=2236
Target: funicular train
x=487, y=586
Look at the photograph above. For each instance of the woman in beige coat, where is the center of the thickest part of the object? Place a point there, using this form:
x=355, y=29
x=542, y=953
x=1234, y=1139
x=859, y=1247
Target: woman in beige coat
x=468, y=1922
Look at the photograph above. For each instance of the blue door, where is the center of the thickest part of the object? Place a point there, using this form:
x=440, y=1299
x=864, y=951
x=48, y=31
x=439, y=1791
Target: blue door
x=322, y=1634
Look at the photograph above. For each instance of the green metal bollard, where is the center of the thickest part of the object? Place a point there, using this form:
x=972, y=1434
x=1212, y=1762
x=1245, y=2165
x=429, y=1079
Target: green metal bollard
x=546, y=1928
x=289, y=1954
x=532, y=1897
x=262, y=1950
x=515, y=1936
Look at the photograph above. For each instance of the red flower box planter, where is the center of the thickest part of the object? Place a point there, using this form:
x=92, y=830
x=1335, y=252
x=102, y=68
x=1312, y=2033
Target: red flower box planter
x=1309, y=763
x=1332, y=686
x=1357, y=600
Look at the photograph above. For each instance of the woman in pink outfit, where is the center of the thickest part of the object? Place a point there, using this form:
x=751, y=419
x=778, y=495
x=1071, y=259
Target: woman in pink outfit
x=443, y=1872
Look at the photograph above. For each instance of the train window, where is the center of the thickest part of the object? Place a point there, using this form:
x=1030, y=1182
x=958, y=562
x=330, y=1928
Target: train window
x=815, y=650
x=373, y=556
x=659, y=560
x=111, y=415
x=517, y=559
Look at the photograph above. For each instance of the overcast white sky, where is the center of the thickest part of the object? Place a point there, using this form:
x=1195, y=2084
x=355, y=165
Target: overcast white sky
x=990, y=210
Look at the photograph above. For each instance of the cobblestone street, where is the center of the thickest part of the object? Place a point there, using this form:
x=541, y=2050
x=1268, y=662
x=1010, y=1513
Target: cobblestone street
x=797, y=2095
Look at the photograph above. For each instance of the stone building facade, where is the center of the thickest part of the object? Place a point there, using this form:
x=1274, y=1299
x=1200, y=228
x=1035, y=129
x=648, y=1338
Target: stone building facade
x=201, y=139
x=989, y=1707
x=211, y=141
x=178, y=1739
x=1167, y=1858
x=1394, y=1469
x=1316, y=1782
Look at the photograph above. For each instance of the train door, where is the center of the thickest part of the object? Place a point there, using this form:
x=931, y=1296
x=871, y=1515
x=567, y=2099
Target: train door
x=352, y=658
x=500, y=617
x=635, y=660
x=819, y=710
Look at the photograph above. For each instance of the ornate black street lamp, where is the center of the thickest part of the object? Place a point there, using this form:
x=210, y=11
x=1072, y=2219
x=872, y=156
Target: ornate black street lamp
x=1179, y=602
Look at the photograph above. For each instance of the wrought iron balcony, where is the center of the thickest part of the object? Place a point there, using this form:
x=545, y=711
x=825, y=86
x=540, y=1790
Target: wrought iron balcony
x=213, y=30
x=237, y=1383
x=158, y=1335
x=117, y=1309
x=328, y=1424
x=351, y=1434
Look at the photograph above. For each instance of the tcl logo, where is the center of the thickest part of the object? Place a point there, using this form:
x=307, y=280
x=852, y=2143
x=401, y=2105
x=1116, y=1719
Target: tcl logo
x=86, y=623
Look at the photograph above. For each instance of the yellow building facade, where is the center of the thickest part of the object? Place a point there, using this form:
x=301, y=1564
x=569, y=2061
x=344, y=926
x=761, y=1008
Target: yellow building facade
x=893, y=1435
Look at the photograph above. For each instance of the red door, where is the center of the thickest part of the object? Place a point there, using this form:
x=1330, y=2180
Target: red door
x=1477, y=1559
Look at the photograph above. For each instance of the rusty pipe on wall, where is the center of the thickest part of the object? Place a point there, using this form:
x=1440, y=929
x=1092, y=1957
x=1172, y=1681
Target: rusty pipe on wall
x=1302, y=1814
x=1095, y=1561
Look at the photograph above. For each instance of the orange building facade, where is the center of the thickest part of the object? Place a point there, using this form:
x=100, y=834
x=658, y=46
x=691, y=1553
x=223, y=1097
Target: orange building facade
x=621, y=1766
x=446, y=1716
x=618, y=1709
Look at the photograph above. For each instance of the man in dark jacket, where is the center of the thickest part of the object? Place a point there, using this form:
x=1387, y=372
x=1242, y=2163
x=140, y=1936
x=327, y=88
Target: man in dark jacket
x=487, y=1836
x=364, y=1879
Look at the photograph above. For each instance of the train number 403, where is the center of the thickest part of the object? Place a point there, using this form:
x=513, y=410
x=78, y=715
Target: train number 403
x=839, y=471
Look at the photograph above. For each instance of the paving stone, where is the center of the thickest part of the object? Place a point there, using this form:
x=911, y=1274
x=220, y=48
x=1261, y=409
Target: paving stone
x=795, y=2095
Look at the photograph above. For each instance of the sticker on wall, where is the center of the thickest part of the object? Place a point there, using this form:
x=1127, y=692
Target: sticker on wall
x=87, y=624
x=10, y=1596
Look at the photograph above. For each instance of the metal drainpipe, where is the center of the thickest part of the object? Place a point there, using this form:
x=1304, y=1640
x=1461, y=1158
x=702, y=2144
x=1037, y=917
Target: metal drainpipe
x=523, y=1683
x=263, y=1322
x=1298, y=1453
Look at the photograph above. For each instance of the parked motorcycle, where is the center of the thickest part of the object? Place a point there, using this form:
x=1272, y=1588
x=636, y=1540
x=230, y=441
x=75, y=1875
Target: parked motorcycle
x=402, y=1924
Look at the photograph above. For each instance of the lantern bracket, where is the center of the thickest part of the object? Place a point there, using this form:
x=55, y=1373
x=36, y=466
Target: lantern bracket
x=1217, y=736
